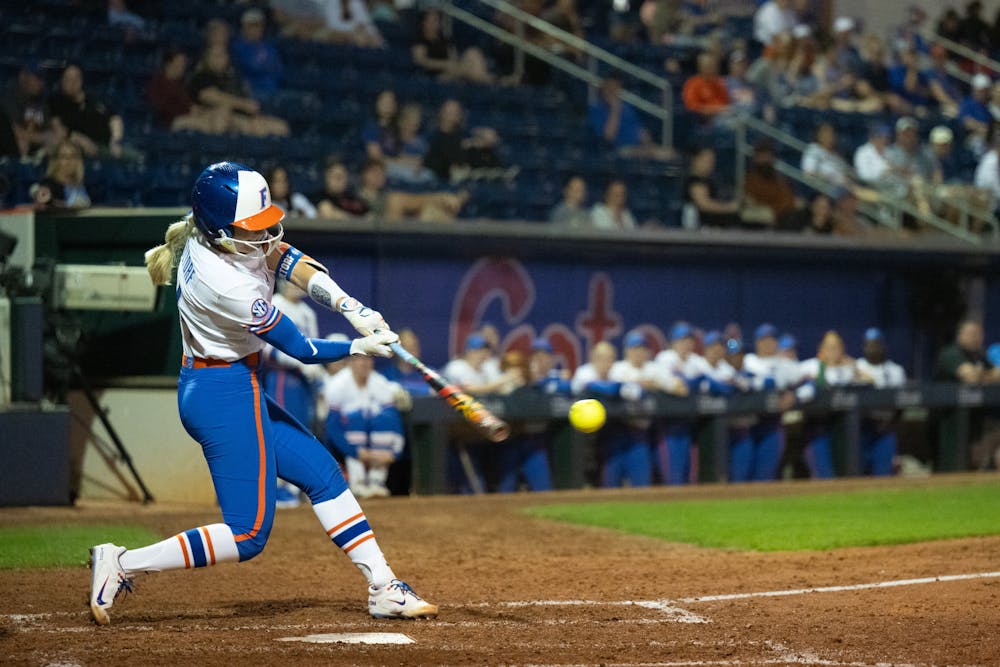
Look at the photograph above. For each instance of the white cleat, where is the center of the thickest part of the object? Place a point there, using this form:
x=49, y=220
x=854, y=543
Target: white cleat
x=378, y=491
x=107, y=580
x=397, y=600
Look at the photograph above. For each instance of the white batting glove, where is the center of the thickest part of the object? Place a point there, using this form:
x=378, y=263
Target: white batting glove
x=375, y=345
x=362, y=318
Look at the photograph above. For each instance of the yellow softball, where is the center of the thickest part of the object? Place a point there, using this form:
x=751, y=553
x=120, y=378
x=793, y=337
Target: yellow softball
x=587, y=415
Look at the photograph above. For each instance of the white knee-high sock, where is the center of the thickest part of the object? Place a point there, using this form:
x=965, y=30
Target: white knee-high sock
x=357, y=476
x=378, y=476
x=197, y=547
x=346, y=524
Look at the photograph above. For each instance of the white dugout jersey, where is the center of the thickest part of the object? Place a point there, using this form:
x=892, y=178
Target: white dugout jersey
x=344, y=395
x=464, y=375
x=784, y=372
x=219, y=296
x=886, y=374
x=834, y=376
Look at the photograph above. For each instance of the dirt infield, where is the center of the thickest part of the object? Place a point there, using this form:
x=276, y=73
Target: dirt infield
x=516, y=590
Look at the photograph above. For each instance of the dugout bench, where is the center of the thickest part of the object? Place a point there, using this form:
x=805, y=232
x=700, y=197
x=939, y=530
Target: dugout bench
x=432, y=425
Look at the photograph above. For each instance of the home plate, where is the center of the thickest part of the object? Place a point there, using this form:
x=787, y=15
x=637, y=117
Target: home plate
x=353, y=638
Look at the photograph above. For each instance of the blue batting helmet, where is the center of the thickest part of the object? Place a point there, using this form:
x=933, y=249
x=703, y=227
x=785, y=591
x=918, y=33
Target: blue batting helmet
x=229, y=194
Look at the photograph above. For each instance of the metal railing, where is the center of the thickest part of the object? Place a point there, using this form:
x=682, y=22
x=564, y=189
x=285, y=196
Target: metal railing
x=888, y=210
x=661, y=110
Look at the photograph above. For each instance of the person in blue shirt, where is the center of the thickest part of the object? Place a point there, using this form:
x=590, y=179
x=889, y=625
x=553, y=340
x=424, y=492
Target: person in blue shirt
x=256, y=59
x=974, y=113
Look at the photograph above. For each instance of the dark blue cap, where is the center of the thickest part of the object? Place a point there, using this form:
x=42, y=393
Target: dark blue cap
x=635, y=339
x=765, y=331
x=541, y=345
x=711, y=338
x=787, y=342
x=475, y=342
x=681, y=330
x=873, y=333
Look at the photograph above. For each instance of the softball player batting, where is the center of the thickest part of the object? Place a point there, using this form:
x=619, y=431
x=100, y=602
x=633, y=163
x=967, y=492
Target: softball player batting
x=227, y=263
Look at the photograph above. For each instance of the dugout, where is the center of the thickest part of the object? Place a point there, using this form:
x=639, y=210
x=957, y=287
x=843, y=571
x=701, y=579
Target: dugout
x=530, y=279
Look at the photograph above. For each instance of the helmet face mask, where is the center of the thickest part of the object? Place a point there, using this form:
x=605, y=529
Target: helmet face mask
x=229, y=196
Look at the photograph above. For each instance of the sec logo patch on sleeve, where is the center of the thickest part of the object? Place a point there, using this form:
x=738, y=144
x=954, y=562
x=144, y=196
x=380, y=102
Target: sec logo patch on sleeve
x=259, y=309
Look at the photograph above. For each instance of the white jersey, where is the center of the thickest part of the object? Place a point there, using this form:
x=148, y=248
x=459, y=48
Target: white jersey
x=694, y=366
x=220, y=295
x=834, y=376
x=722, y=371
x=782, y=370
x=344, y=395
x=464, y=375
x=304, y=317
x=886, y=374
x=583, y=376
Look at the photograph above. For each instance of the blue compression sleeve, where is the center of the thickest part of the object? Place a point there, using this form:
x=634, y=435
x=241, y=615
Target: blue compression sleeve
x=282, y=333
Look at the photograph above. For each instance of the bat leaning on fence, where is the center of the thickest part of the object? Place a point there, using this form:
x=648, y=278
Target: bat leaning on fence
x=494, y=428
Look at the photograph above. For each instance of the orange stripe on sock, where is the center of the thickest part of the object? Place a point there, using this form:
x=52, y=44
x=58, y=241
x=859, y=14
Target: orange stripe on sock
x=344, y=523
x=208, y=541
x=363, y=539
x=184, y=548
x=262, y=463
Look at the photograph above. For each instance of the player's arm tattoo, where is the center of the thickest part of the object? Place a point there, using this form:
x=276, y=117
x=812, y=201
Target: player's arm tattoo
x=321, y=295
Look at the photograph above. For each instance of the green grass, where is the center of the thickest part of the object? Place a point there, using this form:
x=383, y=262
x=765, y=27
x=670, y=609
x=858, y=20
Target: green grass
x=56, y=546
x=794, y=523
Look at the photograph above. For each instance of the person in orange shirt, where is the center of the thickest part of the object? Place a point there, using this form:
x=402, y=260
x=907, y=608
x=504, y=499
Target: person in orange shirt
x=705, y=92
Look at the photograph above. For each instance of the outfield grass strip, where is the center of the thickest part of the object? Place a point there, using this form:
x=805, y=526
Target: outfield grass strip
x=64, y=545
x=803, y=522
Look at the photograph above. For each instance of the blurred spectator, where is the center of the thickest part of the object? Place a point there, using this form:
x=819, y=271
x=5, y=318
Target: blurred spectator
x=525, y=454
x=172, y=105
x=965, y=360
x=294, y=204
x=742, y=93
x=952, y=184
x=860, y=97
x=766, y=72
x=628, y=456
x=437, y=55
x=798, y=84
x=702, y=206
x=844, y=54
x=384, y=204
x=255, y=58
x=773, y=18
x=617, y=123
x=364, y=424
x=909, y=34
x=453, y=153
x=942, y=85
x=908, y=81
x=875, y=71
x=25, y=105
x=788, y=347
x=119, y=15
x=470, y=372
x=535, y=72
x=62, y=187
x=217, y=33
x=338, y=201
x=705, y=93
x=948, y=166
x=845, y=214
x=491, y=335
x=613, y=212
x=335, y=21
x=949, y=25
x=765, y=186
x=384, y=11
x=973, y=30
x=572, y=211
x=911, y=161
x=974, y=114
x=878, y=434
x=546, y=373
x=86, y=121
x=409, y=165
x=216, y=86
x=987, y=175
x=817, y=218
x=381, y=133
x=871, y=160
x=820, y=159
x=564, y=15
x=994, y=105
